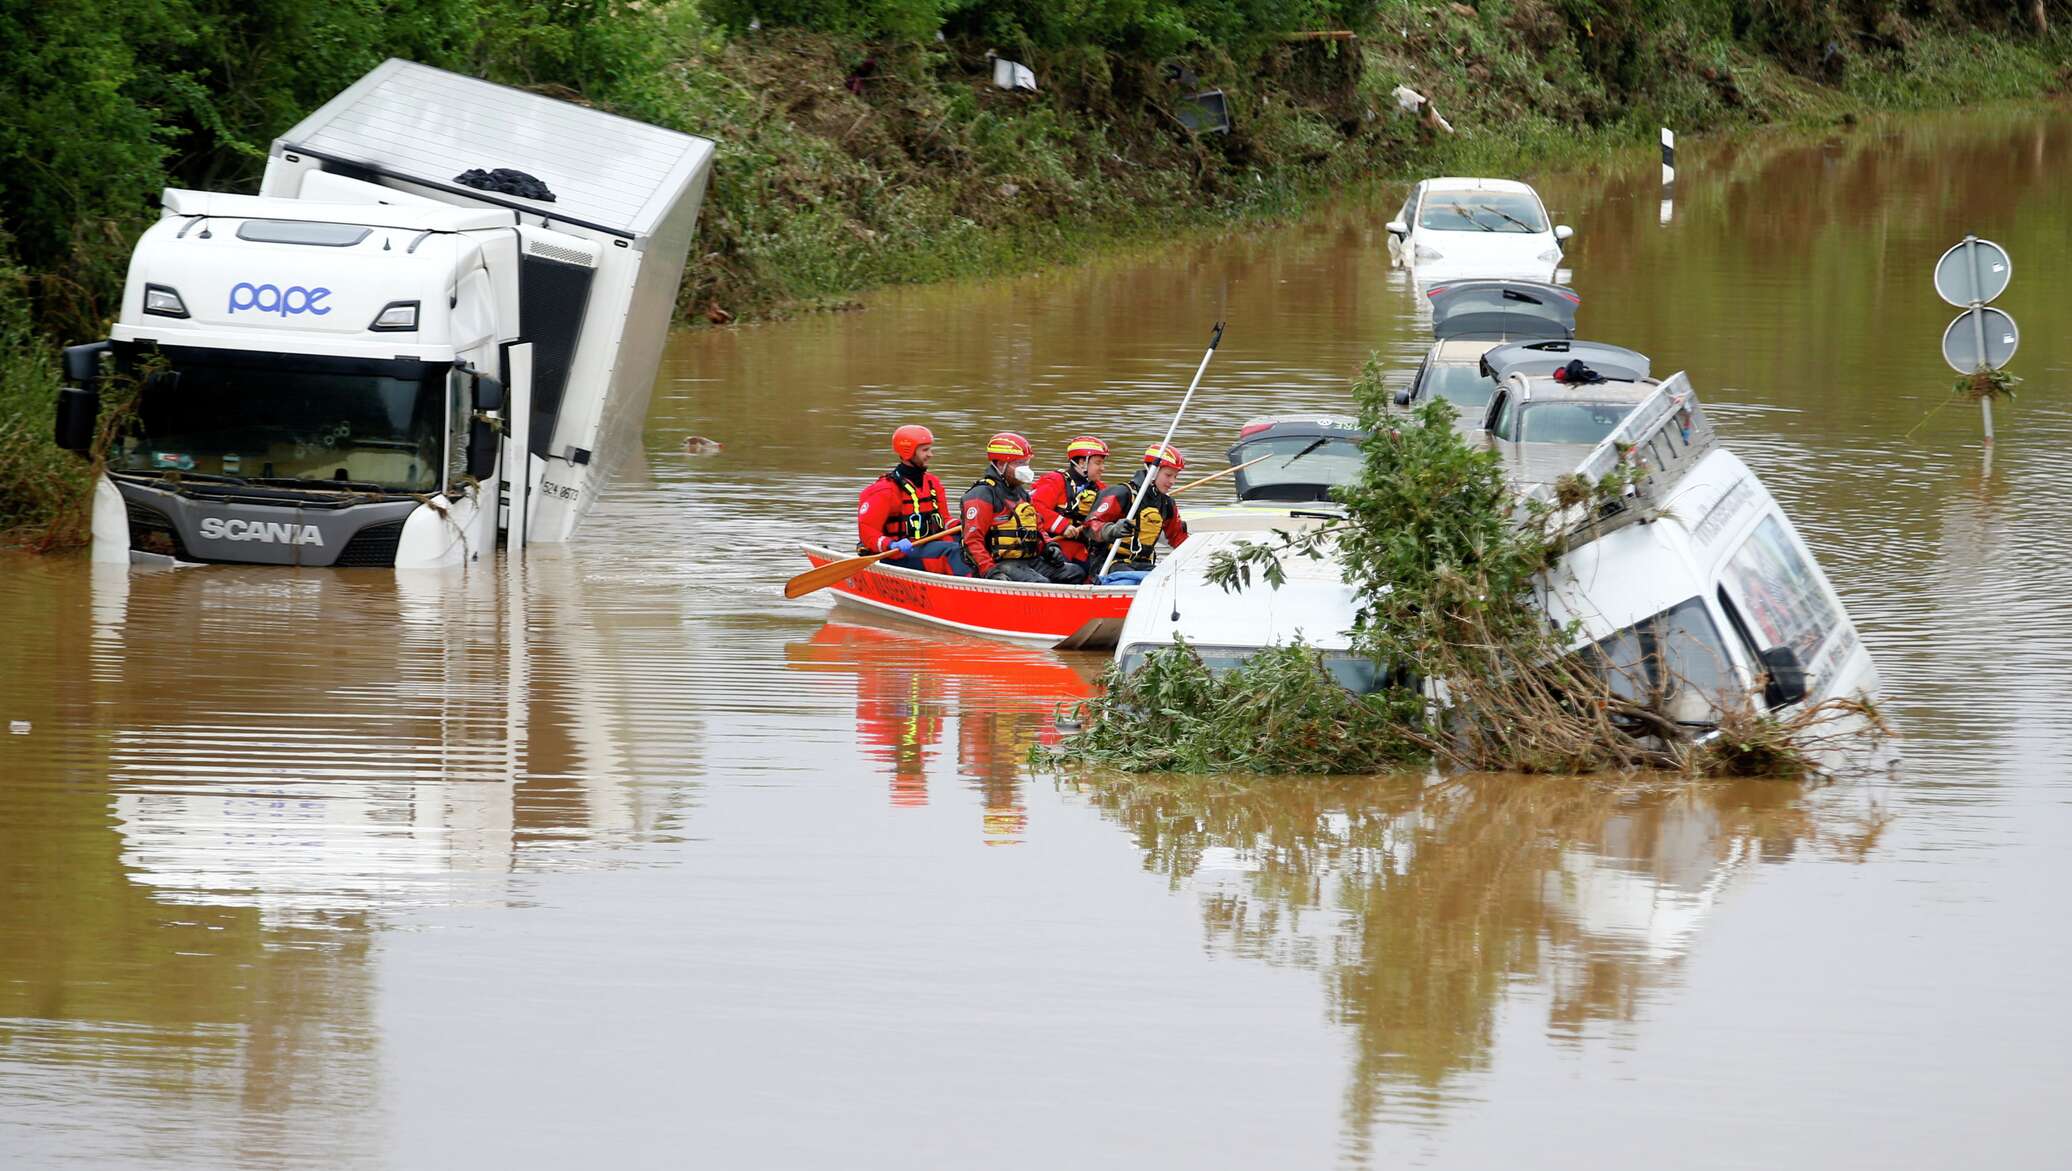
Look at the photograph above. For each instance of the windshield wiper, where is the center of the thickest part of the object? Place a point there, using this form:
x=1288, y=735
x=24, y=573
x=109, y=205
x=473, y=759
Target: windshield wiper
x=178, y=474
x=1506, y=215
x=1306, y=451
x=1469, y=216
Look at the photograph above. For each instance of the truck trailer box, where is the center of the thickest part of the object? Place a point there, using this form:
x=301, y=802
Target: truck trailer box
x=409, y=132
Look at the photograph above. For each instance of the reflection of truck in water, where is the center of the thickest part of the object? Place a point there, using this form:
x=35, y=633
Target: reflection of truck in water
x=341, y=370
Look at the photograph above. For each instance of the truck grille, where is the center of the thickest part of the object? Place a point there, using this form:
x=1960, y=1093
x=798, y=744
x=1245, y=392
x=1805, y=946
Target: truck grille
x=373, y=546
x=152, y=531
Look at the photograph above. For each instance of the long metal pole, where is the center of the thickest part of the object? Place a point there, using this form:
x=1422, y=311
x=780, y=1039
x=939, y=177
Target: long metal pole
x=1978, y=329
x=518, y=448
x=1215, y=338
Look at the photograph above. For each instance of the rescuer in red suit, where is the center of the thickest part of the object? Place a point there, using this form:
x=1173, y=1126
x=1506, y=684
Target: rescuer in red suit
x=1157, y=515
x=1003, y=536
x=901, y=509
x=1064, y=498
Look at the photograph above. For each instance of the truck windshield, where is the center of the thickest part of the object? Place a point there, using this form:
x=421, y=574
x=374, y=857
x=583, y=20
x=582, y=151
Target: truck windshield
x=289, y=417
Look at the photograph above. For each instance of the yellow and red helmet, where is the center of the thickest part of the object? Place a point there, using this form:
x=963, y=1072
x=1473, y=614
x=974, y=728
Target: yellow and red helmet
x=908, y=438
x=1084, y=446
x=1164, y=455
x=1007, y=447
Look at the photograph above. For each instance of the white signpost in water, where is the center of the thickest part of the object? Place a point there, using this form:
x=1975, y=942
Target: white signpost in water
x=1969, y=275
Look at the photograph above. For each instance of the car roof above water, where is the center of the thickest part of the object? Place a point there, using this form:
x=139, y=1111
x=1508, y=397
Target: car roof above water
x=1544, y=388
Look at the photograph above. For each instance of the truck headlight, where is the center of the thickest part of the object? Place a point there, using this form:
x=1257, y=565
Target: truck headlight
x=1551, y=255
x=396, y=317
x=163, y=301
x=1424, y=253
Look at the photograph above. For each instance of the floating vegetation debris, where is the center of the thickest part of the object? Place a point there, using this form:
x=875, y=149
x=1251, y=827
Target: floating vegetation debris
x=1986, y=384
x=1278, y=712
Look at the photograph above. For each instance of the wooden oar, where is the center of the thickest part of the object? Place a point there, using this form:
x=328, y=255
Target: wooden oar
x=834, y=571
x=1193, y=484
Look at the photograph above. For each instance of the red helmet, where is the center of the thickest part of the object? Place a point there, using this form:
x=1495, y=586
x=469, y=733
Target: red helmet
x=1085, y=445
x=1008, y=446
x=1164, y=455
x=909, y=437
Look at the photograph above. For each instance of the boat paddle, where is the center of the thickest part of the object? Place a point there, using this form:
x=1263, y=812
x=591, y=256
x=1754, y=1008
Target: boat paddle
x=821, y=577
x=1151, y=470
x=1230, y=471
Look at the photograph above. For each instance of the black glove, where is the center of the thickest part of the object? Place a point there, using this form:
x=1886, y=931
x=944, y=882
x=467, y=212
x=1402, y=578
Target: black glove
x=1112, y=531
x=1053, y=554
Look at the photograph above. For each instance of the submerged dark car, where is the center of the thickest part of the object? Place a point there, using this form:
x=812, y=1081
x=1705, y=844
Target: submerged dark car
x=1299, y=458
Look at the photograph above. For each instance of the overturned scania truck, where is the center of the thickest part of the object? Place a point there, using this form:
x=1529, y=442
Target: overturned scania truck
x=439, y=320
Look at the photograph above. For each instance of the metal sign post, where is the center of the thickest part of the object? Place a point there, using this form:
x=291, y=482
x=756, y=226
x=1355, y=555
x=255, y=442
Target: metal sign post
x=1668, y=174
x=1971, y=274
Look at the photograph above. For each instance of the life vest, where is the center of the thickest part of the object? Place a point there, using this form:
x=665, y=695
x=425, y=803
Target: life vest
x=1154, y=509
x=1016, y=532
x=1077, y=502
x=919, y=511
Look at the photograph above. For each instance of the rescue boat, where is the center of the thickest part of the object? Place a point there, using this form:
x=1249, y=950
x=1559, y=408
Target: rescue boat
x=1065, y=617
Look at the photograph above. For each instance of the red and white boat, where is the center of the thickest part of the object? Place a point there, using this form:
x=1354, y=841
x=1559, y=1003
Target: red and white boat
x=1068, y=617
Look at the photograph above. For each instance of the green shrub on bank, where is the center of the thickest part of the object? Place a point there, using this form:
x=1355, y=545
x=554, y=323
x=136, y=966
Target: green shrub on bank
x=37, y=480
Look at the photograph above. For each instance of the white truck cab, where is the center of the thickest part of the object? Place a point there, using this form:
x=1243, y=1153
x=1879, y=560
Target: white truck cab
x=353, y=366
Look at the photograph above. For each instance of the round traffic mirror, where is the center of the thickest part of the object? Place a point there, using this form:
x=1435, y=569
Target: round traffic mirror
x=1974, y=270
x=1960, y=344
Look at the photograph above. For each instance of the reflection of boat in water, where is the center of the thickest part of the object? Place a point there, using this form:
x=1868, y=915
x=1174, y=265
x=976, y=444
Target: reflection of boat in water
x=1428, y=908
x=911, y=686
x=1069, y=617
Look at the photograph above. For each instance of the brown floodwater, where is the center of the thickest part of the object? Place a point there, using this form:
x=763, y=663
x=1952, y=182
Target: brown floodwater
x=634, y=863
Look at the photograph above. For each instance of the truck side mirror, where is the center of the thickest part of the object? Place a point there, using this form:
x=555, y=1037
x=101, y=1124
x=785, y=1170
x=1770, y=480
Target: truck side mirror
x=1563, y=231
x=79, y=409
x=1787, y=677
x=482, y=444
x=83, y=363
x=489, y=393
x=79, y=405
x=1398, y=228
x=1402, y=398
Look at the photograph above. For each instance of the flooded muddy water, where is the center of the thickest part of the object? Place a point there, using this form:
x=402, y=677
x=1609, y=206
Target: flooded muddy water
x=627, y=861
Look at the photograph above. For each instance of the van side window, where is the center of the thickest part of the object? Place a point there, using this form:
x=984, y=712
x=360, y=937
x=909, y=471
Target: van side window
x=1776, y=594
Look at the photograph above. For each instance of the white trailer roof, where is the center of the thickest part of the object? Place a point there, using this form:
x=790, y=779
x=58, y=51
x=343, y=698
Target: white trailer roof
x=437, y=217
x=427, y=126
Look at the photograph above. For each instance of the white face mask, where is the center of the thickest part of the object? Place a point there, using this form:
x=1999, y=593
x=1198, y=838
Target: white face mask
x=1023, y=474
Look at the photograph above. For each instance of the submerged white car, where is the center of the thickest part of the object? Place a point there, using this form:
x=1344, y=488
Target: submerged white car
x=1456, y=228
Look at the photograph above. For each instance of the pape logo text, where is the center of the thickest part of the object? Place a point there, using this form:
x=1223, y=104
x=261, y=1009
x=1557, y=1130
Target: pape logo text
x=274, y=299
